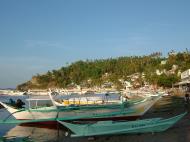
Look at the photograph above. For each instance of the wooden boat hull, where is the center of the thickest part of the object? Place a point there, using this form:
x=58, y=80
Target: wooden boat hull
x=128, y=113
x=30, y=114
x=128, y=127
x=81, y=113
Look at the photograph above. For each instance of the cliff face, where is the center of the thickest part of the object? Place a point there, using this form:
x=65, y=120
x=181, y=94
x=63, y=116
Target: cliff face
x=34, y=80
x=34, y=83
x=24, y=87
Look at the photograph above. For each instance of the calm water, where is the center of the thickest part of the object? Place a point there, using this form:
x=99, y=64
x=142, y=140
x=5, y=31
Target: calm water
x=166, y=107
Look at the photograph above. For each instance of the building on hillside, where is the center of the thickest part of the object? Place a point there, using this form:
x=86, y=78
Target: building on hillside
x=174, y=67
x=172, y=53
x=107, y=85
x=134, y=76
x=143, y=75
x=158, y=72
x=184, y=84
x=163, y=62
x=173, y=70
x=127, y=85
x=179, y=73
x=164, y=71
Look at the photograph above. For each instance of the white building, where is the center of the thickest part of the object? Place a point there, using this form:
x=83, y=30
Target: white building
x=163, y=62
x=185, y=81
x=185, y=76
x=158, y=72
x=127, y=85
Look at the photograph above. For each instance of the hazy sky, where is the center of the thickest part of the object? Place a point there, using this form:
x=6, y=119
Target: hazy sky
x=41, y=35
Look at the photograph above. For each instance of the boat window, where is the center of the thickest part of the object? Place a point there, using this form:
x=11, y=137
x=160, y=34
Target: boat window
x=39, y=103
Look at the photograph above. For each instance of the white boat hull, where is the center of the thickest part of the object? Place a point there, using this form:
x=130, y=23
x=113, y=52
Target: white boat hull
x=69, y=114
x=39, y=113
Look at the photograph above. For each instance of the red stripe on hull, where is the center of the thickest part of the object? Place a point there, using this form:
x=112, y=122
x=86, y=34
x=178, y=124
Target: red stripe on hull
x=111, y=118
x=54, y=124
x=45, y=122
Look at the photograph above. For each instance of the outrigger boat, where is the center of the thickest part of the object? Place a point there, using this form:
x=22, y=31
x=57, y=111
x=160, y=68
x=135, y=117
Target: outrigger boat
x=128, y=127
x=95, y=99
x=53, y=113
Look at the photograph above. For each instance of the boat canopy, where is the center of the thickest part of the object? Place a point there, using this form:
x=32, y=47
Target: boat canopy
x=36, y=99
x=39, y=98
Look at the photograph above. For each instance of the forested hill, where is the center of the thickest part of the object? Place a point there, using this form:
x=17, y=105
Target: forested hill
x=156, y=69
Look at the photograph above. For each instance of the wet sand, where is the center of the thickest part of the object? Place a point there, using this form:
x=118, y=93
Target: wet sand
x=166, y=107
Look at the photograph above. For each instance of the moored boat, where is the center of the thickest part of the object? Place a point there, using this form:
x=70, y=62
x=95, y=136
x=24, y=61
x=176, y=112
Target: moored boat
x=87, y=99
x=53, y=113
x=128, y=127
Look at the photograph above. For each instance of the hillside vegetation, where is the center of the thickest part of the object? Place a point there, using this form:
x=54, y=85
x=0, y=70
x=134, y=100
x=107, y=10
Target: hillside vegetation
x=92, y=73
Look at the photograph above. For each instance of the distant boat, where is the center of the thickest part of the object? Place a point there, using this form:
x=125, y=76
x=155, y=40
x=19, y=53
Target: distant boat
x=128, y=127
x=52, y=113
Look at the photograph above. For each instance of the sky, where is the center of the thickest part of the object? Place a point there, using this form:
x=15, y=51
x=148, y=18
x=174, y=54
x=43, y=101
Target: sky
x=41, y=35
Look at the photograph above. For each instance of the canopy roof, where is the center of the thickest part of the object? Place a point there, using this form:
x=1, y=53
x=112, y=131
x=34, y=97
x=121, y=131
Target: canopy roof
x=183, y=83
x=39, y=98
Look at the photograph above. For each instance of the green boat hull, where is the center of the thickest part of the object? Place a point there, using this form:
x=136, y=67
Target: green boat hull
x=128, y=127
x=110, y=112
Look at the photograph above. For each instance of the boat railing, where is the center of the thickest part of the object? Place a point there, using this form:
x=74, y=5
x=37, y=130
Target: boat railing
x=82, y=102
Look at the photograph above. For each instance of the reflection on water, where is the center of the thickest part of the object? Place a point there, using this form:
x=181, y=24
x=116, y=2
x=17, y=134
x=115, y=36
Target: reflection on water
x=4, y=128
x=15, y=139
x=34, y=133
